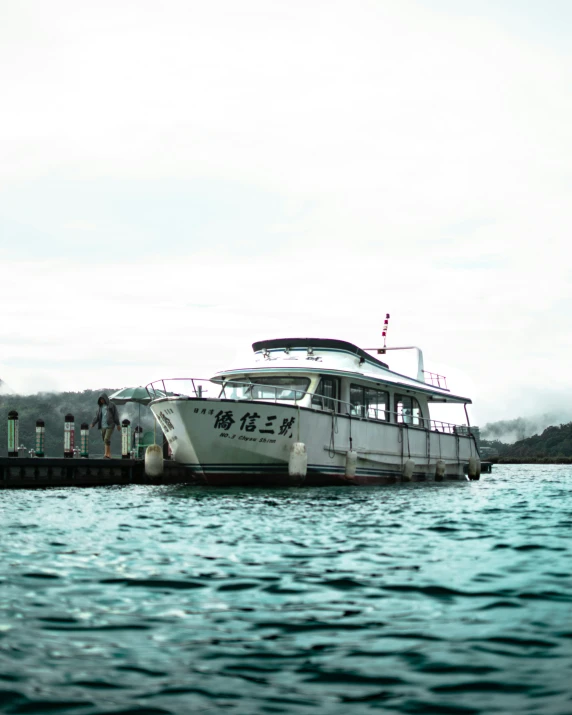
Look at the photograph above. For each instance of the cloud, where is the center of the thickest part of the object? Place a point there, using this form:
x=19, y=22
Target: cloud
x=174, y=318
x=295, y=168
x=303, y=97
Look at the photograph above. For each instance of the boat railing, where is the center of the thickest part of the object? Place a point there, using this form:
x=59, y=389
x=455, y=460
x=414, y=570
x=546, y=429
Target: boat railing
x=228, y=390
x=181, y=387
x=362, y=412
x=201, y=388
x=432, y=378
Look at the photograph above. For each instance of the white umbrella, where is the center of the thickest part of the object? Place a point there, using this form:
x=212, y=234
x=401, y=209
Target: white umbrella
x=131, y=394
x=140, y=396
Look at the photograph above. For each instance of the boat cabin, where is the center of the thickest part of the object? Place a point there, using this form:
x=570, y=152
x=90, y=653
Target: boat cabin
x=334, y=376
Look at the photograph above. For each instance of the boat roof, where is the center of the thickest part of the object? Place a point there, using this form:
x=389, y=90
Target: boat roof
x=315, y=343
x=335, y=357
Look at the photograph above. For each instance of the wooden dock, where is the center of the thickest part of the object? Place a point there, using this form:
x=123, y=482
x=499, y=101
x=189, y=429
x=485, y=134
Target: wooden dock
x=30, y=473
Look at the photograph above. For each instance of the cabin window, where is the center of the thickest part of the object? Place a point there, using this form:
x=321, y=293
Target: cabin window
x=327, y=394
x=408, y=411
x=368, y=402
x=265, y=388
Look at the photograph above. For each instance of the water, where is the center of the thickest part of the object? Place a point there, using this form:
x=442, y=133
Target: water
x=421, y=598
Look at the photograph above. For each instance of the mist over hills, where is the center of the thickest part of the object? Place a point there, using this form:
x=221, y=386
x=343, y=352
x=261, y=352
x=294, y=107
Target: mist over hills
x=531, y=439
x=510, y=431
x=554, y=444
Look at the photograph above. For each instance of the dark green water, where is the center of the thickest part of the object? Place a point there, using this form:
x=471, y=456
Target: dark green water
x=423, y=598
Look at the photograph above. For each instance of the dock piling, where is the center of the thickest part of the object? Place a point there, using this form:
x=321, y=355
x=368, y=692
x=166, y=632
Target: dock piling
x=69, y=436
x=137, y=436
x=13, y=433
x=125, y=439
x=40, y=438
x=84, y=440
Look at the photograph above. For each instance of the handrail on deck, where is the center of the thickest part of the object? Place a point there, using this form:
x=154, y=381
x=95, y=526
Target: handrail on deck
x=328, y=404
x=432, y=378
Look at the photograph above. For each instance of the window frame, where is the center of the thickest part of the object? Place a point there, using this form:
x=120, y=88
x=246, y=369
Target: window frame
x=249, y=383
x=363, y=409
x=319, y=399
x=399, y=419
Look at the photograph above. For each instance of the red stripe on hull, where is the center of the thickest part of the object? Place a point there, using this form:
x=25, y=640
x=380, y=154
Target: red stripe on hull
x=373, y=480
x=283, y=479
x=246, y=479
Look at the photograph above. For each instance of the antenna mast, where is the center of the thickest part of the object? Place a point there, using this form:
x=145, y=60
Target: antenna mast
x=384, y=335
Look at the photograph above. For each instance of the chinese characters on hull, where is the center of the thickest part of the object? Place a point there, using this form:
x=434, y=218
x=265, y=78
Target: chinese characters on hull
x=165, y=422
x=252, y=422
x=223, y=420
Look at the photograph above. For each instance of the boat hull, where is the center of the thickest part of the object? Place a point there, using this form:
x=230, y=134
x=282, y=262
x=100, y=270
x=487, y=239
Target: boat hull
x=230, y=443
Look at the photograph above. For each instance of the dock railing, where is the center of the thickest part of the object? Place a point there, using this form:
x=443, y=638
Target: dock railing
x=241, y=390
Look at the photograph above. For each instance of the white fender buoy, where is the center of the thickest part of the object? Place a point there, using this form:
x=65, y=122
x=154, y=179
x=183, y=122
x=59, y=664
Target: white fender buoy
x=408, y=468
x=351, y=463
x=440, y=469
x=474, y=468
x=298, y=460
x=153, y=461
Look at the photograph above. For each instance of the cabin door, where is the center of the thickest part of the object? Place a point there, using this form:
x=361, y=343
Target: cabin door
x=327, y=395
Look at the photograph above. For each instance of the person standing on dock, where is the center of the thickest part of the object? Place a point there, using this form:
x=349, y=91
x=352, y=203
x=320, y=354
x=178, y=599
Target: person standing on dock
x=106, y=418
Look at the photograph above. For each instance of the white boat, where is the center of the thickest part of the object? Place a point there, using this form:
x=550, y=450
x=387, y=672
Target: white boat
x=314, y=411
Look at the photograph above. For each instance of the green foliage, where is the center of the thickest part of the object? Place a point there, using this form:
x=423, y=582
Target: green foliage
x=52, y=408
x=496, y=445
x=553, y=445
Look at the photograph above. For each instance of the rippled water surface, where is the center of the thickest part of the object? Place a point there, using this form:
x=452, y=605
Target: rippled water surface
x=421, y=598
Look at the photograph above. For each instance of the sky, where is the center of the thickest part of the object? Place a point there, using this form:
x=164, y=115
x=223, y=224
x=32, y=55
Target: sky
x=180, y=179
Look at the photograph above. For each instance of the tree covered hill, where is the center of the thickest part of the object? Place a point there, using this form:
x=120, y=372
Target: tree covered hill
x=52, y=408
x=554, y=443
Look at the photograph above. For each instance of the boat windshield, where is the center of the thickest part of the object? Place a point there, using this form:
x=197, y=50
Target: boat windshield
x=265, y=388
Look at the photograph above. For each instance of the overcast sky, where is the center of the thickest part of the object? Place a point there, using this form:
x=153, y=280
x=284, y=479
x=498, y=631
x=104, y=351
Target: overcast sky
x=179, y=179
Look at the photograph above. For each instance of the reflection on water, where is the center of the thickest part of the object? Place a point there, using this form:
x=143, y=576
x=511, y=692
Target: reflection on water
x=420, y=598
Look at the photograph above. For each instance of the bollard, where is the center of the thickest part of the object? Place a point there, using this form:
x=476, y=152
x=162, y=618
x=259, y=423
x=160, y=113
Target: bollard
x=84, y=440
x=137, y=437
x=125, y=439
x=13, y=433
x=69, y=436
x=40, y=438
